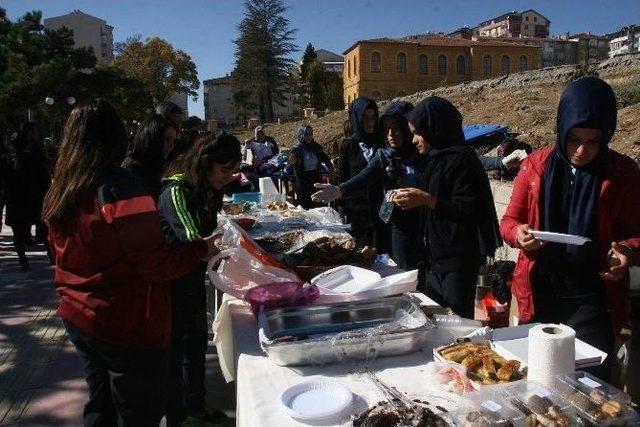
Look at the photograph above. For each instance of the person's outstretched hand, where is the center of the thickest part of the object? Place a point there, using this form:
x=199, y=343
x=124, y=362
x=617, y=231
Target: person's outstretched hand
x=328, y=193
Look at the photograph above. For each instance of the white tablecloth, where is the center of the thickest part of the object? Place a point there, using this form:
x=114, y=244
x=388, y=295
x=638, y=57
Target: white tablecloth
x=259, y=382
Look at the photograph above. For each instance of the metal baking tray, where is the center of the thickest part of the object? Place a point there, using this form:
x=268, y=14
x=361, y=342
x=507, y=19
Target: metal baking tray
x=334, y=332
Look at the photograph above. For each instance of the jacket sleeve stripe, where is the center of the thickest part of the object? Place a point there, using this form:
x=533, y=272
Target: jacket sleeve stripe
x=183, y=214
x=187, y=215
x=132, y=206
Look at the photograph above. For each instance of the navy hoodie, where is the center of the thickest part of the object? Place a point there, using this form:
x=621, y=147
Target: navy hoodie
x=463, y=227
x=352, y=161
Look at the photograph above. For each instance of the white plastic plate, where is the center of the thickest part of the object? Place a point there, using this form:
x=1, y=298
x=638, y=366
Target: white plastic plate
x=569, y=239
x=346, y=279
x=316, y=400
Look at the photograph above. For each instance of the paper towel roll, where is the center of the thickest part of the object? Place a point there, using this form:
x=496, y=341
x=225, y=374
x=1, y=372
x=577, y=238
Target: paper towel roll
x=267, y=186
x=552, y=351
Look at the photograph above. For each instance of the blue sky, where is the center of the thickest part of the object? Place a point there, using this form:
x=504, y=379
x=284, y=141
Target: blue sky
x=205, y=28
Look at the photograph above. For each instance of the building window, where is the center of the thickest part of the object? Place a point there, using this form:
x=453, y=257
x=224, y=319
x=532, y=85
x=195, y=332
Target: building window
x=526, y=27
x=352, y=69
x=486, y=65
x=522, y=63
x=505, y=64
x=355, y=67
x=461, y=65
x=375, y=62
x=526, y=18
x=377, y=96
x=535, y=19
x=401, y=63
x=423, y=63
x=348, y=69
x=442, y=65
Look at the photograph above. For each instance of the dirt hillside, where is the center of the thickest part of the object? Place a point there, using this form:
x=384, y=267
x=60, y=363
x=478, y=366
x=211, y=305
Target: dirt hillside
x=526, y=102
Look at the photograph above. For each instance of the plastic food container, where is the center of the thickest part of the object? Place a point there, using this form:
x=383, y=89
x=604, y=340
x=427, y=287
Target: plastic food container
x=473, y=372
x=539, y=405
x=488, y=409
x=595, y=401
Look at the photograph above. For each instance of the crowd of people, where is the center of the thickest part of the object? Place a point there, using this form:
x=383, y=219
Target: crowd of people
x=131, y=222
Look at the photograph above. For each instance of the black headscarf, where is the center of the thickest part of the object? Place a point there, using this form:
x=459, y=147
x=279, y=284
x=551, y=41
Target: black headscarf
x=440, y=122
x=587, y=102
x=399, y=110
x=356, y=114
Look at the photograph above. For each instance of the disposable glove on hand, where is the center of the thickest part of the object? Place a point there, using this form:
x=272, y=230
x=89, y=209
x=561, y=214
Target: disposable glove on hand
x=328, y=193
x=514, y=159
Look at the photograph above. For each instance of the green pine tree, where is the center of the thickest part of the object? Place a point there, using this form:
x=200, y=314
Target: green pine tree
x=262, y=71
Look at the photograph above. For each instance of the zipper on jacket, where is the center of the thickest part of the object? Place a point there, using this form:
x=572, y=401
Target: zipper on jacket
x=148, y=301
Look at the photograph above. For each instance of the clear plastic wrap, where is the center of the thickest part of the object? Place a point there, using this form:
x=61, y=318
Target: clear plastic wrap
x=596, y=401
x=539, y=405
x=362, y=330
x=487, y=409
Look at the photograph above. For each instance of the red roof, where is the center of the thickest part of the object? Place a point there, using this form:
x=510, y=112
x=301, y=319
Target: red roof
x=586, y=36
x=441, y=41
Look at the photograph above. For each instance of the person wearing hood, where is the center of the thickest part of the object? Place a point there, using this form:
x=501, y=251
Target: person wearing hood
x=398, y=165
x=306, y=158
x=459, y=221
x=579, y=186
x=148, y=153
x=355, y=153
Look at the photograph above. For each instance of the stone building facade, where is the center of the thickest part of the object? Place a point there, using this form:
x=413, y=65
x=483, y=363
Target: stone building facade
x=529, y=23
x=388, y=68
x=554, y=52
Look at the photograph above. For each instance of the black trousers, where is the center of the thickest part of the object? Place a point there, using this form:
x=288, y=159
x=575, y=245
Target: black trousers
x=455, y=289
x=588, y=316
x=188, y=349
x=367, y=232
x=407, y=248
x=127, y=386
x=305, y=188
x=21, y=237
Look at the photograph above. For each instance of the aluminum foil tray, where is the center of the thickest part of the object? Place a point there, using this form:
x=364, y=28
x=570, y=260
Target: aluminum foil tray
x=334, y=332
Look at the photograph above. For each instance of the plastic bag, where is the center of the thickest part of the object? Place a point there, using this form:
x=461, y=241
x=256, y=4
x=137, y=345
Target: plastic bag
x=451, y=376
x=278, y=295
x=244, y=264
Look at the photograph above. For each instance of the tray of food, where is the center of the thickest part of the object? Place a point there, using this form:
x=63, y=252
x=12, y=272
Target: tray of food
x=334, y=332
x=385, y=413
x=596, y=402
x=326, y=253
x=487, y=409
x=484, y=365
x=235, y=208
x=539, y=405
x=279, y=244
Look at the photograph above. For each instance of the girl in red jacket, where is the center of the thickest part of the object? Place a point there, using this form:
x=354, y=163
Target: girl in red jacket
x=579, y=187
x=113, y=270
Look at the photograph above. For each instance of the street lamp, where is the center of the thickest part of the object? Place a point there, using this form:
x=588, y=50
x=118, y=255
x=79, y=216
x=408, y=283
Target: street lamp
x=50, y=101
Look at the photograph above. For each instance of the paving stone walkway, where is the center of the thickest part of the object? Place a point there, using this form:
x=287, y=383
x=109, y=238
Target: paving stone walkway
x=41, y=377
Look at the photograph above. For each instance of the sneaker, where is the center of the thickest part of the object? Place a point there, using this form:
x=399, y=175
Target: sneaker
x=208, y=417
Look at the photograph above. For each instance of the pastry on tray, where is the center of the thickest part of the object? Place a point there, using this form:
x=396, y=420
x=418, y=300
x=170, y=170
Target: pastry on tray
x=483, y=364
